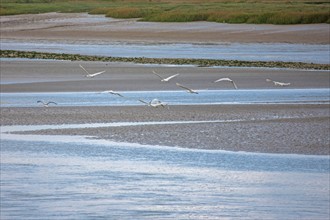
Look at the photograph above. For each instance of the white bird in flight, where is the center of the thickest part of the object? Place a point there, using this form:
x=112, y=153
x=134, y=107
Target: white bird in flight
x=46, y=104
x=113, y=93
x=186, y=88
x=227, y=79
x=165, y=79
x=154, y=103
x=278, y=83
x=91, y=75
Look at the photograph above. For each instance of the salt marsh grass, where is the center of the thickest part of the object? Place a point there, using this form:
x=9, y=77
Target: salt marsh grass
x=235, y=11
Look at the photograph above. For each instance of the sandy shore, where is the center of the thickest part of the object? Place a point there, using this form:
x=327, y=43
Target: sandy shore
x=94, y=28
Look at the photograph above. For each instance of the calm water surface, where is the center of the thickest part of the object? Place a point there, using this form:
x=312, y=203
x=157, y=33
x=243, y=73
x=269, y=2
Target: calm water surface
x=72, y=177
x=309, y=53
x=268, y=96
x=66, y=177
x=63, y=177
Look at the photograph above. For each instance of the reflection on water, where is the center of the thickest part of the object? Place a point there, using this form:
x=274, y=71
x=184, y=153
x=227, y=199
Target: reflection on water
x=268, y=96
x=51, y=180
x=65, y=177
x=309, y=53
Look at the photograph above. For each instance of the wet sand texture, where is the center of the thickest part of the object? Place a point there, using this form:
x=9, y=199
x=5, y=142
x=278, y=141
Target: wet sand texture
x=61, y=76
x=297, y=129
x=79, y=26
x=301, y=129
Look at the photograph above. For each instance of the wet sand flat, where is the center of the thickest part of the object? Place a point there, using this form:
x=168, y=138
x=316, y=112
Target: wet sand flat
x=300, y=129
x=94, y=28
x=293, y=129
x=66, y=76
x=288, y=128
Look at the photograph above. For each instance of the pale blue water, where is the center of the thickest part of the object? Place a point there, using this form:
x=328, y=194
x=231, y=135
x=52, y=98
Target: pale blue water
x=269, y=96
x=66, y=177
x=309, y=53
x=74, y=178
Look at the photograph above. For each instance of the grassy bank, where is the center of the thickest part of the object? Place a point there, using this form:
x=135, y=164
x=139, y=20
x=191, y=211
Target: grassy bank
x=234, y=11
x=177, y=61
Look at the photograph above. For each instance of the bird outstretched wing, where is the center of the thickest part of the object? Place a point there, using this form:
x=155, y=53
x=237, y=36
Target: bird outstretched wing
x=84, y=69
x=186, y=88
x=154, y=72
x=170, y=77
x=95, y=74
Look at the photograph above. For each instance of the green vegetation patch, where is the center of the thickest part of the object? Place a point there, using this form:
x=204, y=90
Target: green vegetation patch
x=234, y=11
x=176, y=61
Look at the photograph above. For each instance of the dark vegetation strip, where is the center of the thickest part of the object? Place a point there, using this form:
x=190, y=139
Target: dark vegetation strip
x=176, y=61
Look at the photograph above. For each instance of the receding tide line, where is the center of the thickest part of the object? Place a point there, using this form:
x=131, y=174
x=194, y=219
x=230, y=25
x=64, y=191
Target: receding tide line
x=8, y=133
x=22, y=128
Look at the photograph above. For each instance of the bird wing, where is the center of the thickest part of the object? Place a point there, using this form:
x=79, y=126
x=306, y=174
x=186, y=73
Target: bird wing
x=158, y=75
x=144, y=102
x=223, y=79
x=112, y=92
x=84, y=69
x=39, y=101
x=186, y=88
x=95, y=74
x=116, y=93
x=163, y=104
x=234, y=84
x=170, y=77
x=51, y=103
x=154, y=101
x=277, y=83
x=178, y=84
x=282, y=83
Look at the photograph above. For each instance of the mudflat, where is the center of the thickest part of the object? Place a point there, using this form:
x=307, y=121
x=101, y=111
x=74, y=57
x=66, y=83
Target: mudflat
x=94, y=28
x=289, y=128
x=67, y=76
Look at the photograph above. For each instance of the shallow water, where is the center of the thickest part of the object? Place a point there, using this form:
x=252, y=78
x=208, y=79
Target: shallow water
x=269, y=96
x=309, y=53
x=65, y=177
x=72, y=177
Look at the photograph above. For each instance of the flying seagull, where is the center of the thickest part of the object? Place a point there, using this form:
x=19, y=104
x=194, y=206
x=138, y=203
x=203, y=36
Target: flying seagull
x=165, y=79
x=154, y=103
x=113, y=93
x=186, y=88
x=89, y=75
x=227, y=79
x=278, y=83
x=46, y=104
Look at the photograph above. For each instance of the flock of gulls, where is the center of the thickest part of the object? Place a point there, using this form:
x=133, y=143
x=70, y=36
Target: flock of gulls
x=155, y=102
